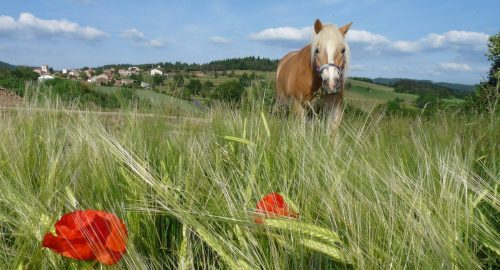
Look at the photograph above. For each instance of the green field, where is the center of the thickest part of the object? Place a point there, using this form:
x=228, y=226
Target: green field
x=379, y=193
x=362, y=94
x=158, y=100
x=367, y=95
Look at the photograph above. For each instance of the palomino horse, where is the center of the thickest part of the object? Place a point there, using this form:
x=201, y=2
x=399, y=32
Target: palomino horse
x=319, y=69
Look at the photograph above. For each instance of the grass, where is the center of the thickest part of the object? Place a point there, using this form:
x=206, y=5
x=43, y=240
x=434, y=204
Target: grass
x=380, y=193
x=362, y=95
x=367, y=95
x=169, y=104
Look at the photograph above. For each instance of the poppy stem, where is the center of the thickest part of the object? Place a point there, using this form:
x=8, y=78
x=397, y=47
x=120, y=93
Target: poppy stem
x=90, y=266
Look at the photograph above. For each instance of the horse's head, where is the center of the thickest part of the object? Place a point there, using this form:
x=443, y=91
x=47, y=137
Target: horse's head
x=330, y=55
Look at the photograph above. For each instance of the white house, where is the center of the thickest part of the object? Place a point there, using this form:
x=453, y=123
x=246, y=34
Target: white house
x=155, y=71
x=44, y=68
x=74, y=73
x=126, y=73
x=45, y=78
x=64, y=71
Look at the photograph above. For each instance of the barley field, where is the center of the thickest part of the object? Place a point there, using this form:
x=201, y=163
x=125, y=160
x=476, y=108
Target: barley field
x=379, y=193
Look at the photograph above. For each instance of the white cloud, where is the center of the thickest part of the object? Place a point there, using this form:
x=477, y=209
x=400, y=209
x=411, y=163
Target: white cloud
x=155, y=43
x=361, y=36
x=283, y=35
x=139, y=39
x=29, y=26
x=453, y=40
x=219, y=40
x=133, y=34
x=451, y=66
x=294, y=36
x=406, y=46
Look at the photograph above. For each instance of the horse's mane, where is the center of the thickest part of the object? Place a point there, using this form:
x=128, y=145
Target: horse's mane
x=330, y=33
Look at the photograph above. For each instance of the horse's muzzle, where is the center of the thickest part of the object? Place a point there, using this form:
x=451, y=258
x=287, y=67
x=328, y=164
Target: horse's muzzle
x=329, y=88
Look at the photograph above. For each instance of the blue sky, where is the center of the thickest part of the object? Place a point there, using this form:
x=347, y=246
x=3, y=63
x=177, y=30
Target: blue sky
x=437, y=40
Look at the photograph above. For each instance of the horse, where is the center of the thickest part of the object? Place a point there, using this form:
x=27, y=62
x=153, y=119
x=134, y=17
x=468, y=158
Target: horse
x=317, y=70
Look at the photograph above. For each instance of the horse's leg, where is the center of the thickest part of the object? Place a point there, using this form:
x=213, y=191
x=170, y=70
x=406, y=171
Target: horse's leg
x=333, y=110
x=298, y=108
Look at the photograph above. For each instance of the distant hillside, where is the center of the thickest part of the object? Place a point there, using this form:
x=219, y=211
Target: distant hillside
x=458, y=86
x=455, y=88
x=421, y=88
x=6, y=65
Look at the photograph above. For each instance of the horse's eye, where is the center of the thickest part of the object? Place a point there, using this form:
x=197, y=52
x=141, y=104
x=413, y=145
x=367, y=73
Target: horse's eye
x=316, y=51
x=343, y=51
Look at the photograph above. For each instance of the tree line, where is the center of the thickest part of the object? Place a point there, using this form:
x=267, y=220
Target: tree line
x=245, y=63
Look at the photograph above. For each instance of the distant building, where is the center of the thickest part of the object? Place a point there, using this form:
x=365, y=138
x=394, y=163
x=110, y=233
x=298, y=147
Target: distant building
x=89, y=72
x=126, y=73
x=44, y=68
x=155, y=71
x=123, y=82
x=102, y=79
x=75, y=73
x=45, y=78
x=64, y=71
x=136, y=69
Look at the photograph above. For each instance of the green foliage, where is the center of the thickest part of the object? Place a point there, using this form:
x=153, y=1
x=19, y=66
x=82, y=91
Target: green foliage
x=138, y=78
x=178, y=80
x=421, y=88
x=363, y=79
x=487, y=95
x=82, y=95
x=396, y=107
x=245, y=80
x=158, y=79
x=379, y=193
x=76, y=92
x=494, y=57
x=193, y=87
x=245, y=63
x=15, y=79
x=230, y=91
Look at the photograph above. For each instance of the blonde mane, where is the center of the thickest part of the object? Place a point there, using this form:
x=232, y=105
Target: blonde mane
x=331, y=38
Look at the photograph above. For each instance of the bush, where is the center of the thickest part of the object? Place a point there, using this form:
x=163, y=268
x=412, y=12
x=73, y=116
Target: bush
x=229, y=91
x=15, y=79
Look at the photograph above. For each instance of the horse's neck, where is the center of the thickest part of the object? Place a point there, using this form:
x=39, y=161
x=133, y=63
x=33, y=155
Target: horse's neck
x=309, y=68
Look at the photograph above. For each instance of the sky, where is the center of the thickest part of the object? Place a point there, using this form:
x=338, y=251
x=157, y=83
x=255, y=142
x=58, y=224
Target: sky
x=435, y=40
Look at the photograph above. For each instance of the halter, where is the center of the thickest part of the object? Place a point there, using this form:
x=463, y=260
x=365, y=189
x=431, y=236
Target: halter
x=339, y=69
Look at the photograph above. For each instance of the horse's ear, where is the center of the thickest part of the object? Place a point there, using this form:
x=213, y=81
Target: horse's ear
x=318, y=26
x=345, y=28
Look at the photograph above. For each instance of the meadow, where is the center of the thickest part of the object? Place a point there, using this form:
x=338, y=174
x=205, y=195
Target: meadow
x=378, y=193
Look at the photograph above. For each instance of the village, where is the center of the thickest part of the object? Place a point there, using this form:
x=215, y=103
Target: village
x=102, y=77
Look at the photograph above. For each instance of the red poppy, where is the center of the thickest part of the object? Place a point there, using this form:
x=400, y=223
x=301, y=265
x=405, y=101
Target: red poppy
x=273, y=205
x=89, y=235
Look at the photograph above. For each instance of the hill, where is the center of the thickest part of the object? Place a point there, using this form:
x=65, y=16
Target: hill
x=6, y=65
x=453, y=87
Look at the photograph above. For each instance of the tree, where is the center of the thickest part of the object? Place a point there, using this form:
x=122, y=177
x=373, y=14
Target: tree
x=158, y=79
x=207, y=88
x=487, y=95
x=245, y=80
x=230, y=91
x=193, y=87
x=179, y=80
